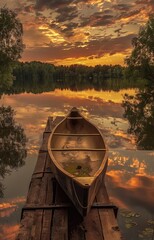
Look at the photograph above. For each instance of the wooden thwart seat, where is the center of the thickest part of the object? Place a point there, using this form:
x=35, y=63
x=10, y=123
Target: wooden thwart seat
x=77, y=134
x=78, y=149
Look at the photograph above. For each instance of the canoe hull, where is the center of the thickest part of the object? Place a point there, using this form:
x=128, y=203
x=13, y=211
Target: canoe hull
x=79, y=159
x=81, y=196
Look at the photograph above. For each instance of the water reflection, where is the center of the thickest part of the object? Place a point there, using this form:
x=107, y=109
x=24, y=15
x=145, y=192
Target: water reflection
x=9, y=231
x=130, y=184
x=130, y=172
x=135, y=170
x=139, y=110
x=12, y=143
x=38, y=86
x=95, y=105
x=8, y=208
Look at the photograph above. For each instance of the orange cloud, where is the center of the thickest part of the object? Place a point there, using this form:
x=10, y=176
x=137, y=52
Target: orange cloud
x=90, y=32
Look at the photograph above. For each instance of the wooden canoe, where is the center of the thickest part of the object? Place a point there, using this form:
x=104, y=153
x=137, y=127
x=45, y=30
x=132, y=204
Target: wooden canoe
x=79, y=159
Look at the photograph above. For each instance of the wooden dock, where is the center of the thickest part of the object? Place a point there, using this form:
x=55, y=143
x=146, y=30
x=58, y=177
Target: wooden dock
x=49, y=214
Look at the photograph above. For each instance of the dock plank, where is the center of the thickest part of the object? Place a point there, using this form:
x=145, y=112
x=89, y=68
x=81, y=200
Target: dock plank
x=40, y=165
x=60, y=216
x=93, y=226
x=34, y=190
x=44, y=146
x=26, y=226
x=49, y=125
x=50, y=191
x=46, y=225
x=37, y=226
x=108, y=221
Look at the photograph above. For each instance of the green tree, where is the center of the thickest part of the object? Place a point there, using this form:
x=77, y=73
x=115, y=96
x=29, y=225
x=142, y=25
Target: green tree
x=139, y=110
x=142, y=56
x=12, y=143
x=11, y=45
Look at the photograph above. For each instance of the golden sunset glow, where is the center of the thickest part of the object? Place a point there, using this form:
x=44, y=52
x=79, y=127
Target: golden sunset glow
x=88, y=32
x=53, y=36
x=93, y=95
x=106, y=59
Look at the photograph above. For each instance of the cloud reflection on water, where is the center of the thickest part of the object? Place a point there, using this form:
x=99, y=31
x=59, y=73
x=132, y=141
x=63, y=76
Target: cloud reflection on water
x=8, y=209
x=9, y=206
x=130, y=179
x=32, y=111
x=8, y=231
x=130, y=173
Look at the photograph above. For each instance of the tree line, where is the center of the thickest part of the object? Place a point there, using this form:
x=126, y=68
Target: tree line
x=37, y=77
x=38, y=71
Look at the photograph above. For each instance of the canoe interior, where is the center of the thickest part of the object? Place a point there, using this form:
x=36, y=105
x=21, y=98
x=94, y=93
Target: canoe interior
x=78, y=146
x=80, y=163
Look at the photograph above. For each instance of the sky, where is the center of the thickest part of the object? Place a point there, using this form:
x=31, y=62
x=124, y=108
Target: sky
x=90, y=32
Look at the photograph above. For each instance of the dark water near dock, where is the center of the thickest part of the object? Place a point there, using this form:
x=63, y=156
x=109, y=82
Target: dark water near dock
x=130, y=174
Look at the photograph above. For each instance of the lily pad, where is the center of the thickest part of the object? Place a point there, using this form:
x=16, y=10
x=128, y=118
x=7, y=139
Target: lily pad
x=146, y=233
x=151, y=222
x=141, y=235
x=129, y=214
x=130, y=225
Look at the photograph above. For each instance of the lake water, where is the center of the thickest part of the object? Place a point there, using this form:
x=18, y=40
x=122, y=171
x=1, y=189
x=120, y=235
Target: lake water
x=130, y=174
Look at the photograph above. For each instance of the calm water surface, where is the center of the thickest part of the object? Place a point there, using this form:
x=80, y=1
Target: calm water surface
x=130, y=174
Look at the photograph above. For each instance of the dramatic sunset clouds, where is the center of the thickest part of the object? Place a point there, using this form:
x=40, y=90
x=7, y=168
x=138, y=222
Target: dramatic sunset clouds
x=80, y=31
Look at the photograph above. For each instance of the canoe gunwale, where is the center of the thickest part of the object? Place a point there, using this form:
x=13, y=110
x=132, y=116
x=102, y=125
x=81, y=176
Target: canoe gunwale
x=78, y=149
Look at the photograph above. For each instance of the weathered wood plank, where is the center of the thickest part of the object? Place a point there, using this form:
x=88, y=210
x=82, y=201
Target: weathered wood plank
x=40, y=165
x=60, y=217
x=42, y=156
x=37, y=230
x=59, y=227
x=26, y=226
x=44, y=146
x=50, y=190
x=48, y=167
x=93, y=226
x=47, y=214
x=108, y=221
x=46, y=225
x=34, y=190
x=48, y=127
x=43, y=190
